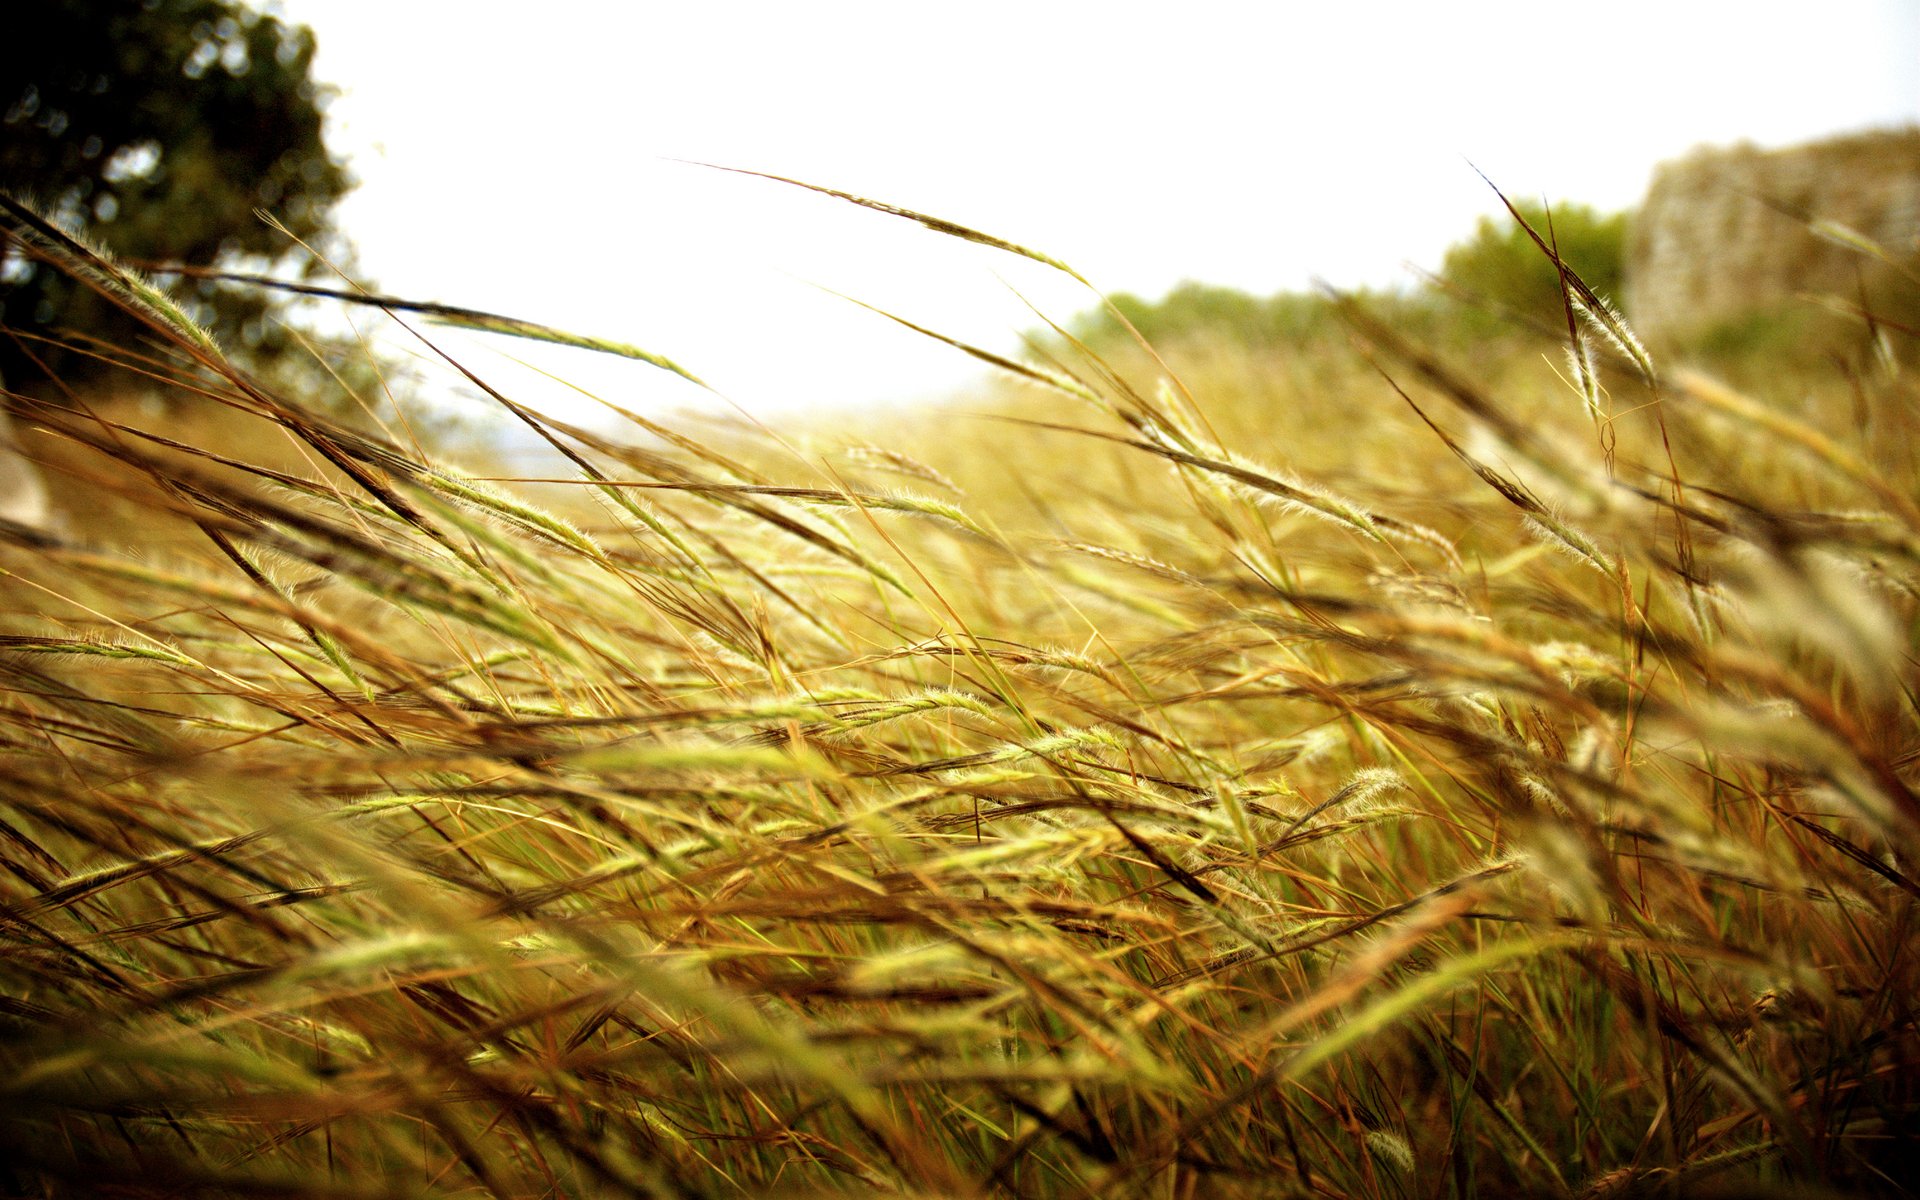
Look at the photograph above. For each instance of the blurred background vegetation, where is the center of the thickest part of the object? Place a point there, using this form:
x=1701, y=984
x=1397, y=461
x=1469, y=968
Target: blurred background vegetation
x=1492, y=285
x=1495, y=281
x=166, y=131
x=192, y=132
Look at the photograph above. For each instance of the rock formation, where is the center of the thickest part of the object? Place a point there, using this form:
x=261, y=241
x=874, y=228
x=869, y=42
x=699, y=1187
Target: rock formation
x=1726, y=234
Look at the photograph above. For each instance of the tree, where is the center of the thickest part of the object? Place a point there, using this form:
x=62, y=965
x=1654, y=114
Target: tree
x=1501, y=268
x=157, y=128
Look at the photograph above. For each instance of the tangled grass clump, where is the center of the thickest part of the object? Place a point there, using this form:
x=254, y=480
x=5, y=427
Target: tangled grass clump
x=1522, y=803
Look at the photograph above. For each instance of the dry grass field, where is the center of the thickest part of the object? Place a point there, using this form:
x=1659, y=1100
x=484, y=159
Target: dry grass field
x=1357, y=769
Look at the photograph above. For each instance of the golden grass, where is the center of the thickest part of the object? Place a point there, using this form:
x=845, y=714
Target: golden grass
x=1372, y=775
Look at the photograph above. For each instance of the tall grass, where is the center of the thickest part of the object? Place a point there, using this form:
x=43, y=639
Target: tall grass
x=1413, y=779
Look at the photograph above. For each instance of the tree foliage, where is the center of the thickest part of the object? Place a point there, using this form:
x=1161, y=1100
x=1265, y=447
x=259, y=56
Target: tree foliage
x=1501, y=270
x=158, y=128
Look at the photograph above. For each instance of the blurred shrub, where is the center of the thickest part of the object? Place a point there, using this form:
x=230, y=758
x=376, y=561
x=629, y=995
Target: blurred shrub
x=1198, y=312
x=1499, y=274
x=1198, y=308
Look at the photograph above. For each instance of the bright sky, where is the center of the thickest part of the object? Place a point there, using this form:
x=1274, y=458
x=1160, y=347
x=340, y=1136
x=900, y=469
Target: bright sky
x=518, y=157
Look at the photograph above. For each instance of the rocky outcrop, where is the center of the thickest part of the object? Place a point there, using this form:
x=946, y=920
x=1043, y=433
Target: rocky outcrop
x=1725, y=234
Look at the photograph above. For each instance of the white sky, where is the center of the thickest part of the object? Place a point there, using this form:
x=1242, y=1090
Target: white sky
x=514, y=156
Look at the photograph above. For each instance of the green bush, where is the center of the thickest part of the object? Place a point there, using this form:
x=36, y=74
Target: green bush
x=1500, y=273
